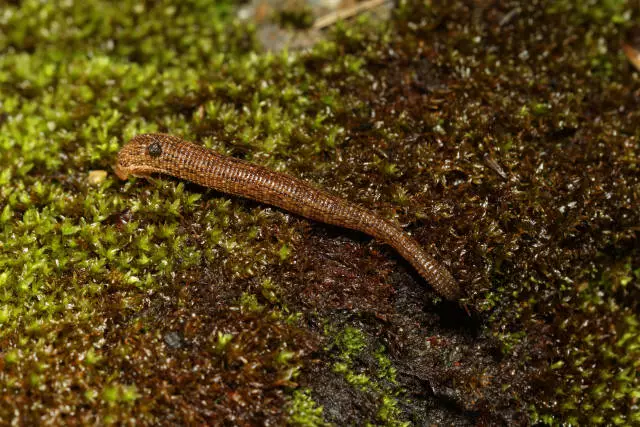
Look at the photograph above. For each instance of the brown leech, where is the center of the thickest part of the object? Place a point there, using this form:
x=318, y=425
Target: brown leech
x=160, y=153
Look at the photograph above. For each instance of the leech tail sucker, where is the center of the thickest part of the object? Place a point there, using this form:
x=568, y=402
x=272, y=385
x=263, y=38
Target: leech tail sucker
x=160, y=153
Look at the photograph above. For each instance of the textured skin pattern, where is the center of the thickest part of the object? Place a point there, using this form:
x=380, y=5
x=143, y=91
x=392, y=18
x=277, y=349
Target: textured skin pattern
x=166, y=154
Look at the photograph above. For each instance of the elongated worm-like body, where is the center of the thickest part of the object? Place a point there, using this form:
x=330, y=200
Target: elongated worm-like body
x=166, y=154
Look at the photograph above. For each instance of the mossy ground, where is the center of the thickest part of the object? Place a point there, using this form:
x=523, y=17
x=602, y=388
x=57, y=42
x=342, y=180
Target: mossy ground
x=503, y=134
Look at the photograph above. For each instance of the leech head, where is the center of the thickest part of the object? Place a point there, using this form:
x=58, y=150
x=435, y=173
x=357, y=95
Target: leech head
x=143, y=155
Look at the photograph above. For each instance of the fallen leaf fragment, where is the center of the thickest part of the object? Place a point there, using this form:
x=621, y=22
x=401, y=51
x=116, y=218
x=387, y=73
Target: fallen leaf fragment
x=633, y=55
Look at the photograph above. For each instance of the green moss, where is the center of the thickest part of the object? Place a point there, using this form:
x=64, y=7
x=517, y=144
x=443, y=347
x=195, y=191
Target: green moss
x=284, y=356
x=350, y=343
x=303, y=411
x=114, y=394
x=129, y=393
x=249, y=303
x=390, y=414
x=270, y=291
x=386, y=369
x=110, y=394
x=606, y=11
x=381, y=382
x=284, y=252
x=222, y=341
x=11, y=357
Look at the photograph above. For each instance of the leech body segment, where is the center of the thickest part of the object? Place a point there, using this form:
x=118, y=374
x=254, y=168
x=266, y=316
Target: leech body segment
x=160, y=153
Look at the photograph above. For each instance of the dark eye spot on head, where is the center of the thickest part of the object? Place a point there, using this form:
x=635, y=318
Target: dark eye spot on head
x=154, y=149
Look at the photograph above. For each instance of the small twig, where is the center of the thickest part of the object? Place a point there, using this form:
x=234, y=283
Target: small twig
x=333, y=17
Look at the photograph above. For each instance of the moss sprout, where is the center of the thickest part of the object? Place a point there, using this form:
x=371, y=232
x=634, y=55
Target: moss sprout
x=303, y=411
